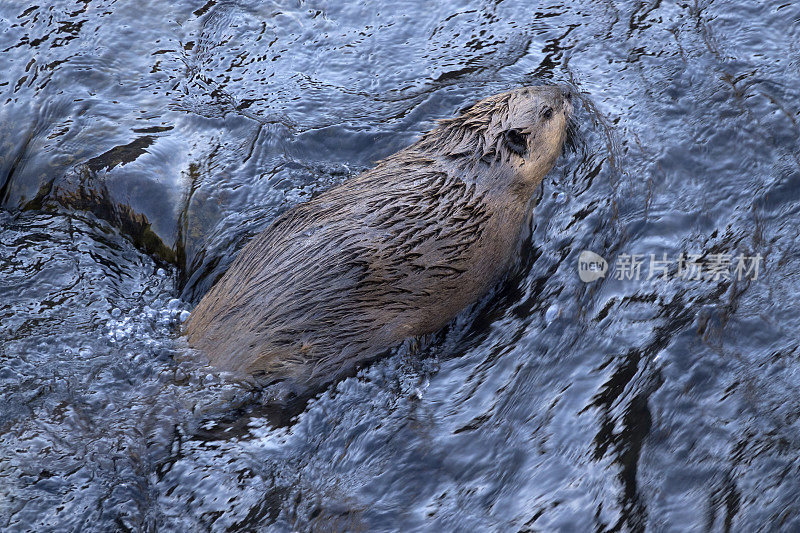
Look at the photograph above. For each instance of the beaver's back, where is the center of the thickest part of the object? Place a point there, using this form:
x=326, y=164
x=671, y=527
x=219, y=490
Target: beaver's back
x=393, y=253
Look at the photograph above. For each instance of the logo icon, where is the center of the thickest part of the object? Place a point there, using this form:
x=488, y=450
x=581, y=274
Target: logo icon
x=591, y=266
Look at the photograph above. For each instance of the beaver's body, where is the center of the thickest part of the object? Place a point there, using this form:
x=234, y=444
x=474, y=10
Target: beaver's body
x=393, y=253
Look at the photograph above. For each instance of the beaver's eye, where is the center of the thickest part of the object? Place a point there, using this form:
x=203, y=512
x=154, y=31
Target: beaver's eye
x=516, y=141
x=547, y=112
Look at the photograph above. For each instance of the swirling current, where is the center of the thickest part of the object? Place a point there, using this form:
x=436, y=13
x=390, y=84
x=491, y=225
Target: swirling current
x=143, y=143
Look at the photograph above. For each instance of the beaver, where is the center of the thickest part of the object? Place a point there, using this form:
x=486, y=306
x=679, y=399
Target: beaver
x=392, y=254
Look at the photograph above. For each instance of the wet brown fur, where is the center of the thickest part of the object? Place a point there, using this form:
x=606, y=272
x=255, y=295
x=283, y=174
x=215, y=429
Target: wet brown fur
x=394, y=253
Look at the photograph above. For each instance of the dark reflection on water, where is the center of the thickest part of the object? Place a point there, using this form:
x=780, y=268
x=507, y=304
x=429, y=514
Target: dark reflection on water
x=141, y=144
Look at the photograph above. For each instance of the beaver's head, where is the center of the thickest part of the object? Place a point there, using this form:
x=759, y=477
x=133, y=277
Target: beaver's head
x=524, y=129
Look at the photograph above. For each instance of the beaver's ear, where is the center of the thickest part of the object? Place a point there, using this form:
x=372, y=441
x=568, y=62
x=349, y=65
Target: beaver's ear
x=516, y=141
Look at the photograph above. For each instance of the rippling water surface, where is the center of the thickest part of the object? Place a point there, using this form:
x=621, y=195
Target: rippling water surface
x=142, y=143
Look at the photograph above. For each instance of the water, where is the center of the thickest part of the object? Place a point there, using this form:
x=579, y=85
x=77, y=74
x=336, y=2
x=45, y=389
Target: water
x=141, y=144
